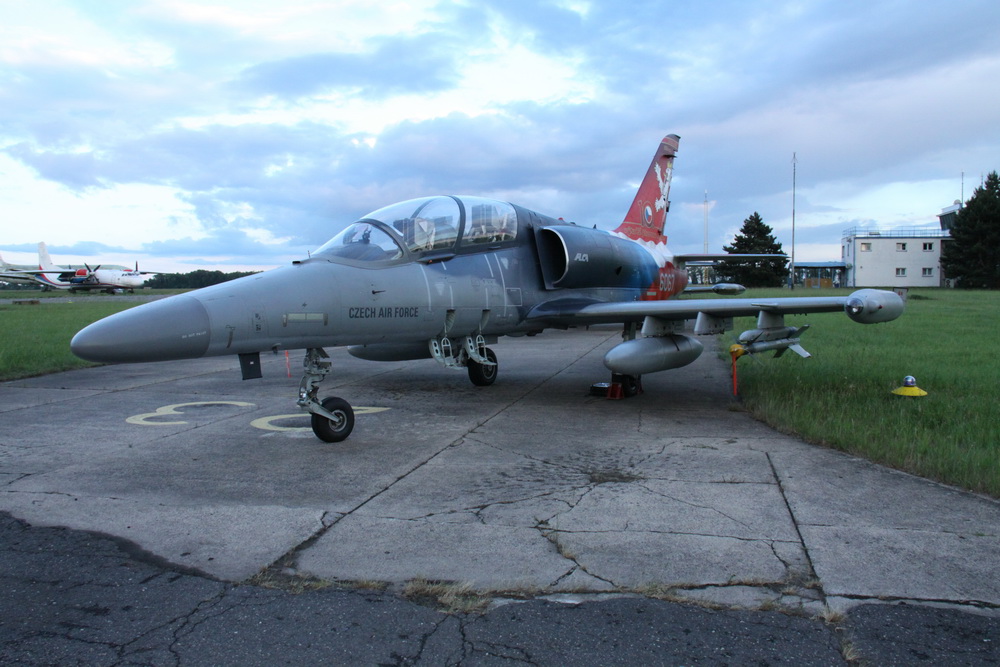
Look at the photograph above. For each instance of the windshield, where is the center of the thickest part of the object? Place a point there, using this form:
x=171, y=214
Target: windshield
x=362, y=242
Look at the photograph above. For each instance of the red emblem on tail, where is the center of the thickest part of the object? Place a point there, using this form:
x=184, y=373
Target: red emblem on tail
x=647, y=216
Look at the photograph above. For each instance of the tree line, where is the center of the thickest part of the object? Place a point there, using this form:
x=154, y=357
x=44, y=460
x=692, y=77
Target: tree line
x=193, y=279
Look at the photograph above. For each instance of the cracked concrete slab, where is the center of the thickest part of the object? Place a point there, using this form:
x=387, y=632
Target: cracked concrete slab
x=885, y=563
x=488, y=557
x=530, y=484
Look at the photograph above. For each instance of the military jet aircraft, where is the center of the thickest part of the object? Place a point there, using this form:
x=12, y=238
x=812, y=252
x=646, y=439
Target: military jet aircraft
x=444, y=278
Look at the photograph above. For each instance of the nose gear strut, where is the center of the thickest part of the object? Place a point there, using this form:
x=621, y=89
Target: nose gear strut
x=333, y=418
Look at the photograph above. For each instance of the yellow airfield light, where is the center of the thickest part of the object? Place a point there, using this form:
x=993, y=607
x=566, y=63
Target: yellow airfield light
x=909, y=388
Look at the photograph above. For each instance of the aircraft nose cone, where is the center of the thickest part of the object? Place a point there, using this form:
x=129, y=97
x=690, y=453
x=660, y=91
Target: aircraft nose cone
x=174, y=328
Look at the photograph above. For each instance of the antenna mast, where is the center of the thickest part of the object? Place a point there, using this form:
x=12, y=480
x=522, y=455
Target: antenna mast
x=795, y=163
x=706, y=221
x=705, y=269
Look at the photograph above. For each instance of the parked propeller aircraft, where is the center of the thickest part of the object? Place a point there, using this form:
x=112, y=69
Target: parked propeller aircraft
x=50, y=276
x=445, y=277
x=16, y=273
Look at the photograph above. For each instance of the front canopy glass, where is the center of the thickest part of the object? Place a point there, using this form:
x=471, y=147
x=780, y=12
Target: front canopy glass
x=362, y=242
x=429, y=224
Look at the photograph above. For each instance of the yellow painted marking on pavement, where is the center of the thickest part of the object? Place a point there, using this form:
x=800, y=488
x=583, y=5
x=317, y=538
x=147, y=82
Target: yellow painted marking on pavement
x=174, y=409
x=267, y=423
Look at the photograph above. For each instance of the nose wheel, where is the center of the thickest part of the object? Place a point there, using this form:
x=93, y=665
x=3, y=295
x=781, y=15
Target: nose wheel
x=337, y=428
x=333, y=419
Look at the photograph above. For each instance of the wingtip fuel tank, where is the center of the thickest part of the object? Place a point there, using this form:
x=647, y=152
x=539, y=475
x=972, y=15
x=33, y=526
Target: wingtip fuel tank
x=871, y=306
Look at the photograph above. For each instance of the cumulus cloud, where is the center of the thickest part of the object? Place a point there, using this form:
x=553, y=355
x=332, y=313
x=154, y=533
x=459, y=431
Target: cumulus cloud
x=274, y=125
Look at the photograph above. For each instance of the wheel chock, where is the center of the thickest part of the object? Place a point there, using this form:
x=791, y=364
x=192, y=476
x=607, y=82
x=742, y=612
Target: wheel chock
x=615, y=391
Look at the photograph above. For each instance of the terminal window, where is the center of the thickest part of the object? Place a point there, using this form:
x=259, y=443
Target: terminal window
x=928, y=247
x=900, y=247
x=900, y=273
x=928, y=273
x=866, y=247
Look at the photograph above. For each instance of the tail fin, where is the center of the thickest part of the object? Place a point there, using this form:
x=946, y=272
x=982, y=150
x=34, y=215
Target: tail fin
x=648, y=215
x=44, y=261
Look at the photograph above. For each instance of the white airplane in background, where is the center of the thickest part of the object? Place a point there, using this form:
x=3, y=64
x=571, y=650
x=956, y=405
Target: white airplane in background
x=16, y=273
x=51, y=276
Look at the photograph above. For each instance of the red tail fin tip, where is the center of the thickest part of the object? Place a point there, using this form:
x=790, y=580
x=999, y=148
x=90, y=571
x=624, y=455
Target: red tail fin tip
x=647, y=216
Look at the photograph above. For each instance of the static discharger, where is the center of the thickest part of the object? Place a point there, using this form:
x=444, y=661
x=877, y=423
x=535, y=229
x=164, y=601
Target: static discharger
x=909, y=388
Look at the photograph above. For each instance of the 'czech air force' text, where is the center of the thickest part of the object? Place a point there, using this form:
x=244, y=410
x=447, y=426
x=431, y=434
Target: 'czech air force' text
x=383, y=312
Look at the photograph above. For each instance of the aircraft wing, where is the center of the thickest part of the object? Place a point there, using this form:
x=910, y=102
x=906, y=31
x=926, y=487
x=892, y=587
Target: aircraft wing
x=17, y=276
x=38, y=272
x=866, y=306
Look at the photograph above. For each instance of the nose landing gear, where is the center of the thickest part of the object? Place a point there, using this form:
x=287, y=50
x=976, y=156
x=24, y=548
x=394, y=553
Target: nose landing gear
x=333, y=418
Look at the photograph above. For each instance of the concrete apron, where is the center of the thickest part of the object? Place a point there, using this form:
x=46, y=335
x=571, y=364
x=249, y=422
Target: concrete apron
x=529, y=487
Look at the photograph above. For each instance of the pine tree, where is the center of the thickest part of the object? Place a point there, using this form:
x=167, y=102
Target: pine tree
x=972, y=255
x=755, y=238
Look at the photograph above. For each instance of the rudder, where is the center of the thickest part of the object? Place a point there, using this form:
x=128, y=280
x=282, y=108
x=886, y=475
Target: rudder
x=647, y=216
x=44, y=261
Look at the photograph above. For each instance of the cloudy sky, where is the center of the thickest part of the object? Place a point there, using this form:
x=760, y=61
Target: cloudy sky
x=235, y=134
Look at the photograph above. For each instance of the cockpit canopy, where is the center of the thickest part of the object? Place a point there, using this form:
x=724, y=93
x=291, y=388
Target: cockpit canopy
x=426, y=225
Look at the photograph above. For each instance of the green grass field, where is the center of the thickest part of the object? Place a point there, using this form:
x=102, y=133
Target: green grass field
x=34, y=339
x=840, y=398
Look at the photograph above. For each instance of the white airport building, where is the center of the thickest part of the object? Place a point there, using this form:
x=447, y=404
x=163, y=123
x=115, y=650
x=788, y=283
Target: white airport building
x=893, y=257
x=903, y=257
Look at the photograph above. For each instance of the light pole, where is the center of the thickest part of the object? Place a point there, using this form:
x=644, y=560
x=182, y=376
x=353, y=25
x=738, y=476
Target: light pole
x=705, y=269
x=792, y=269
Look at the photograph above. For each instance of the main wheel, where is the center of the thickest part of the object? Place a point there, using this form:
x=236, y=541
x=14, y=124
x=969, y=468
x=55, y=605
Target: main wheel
x=630, y=384
x=334, y=430
x=483, y=375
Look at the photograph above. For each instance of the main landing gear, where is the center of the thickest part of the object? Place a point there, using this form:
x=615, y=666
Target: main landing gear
x=621, y=386
x=483, y=374
x=470, y=352
x=631, y=385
